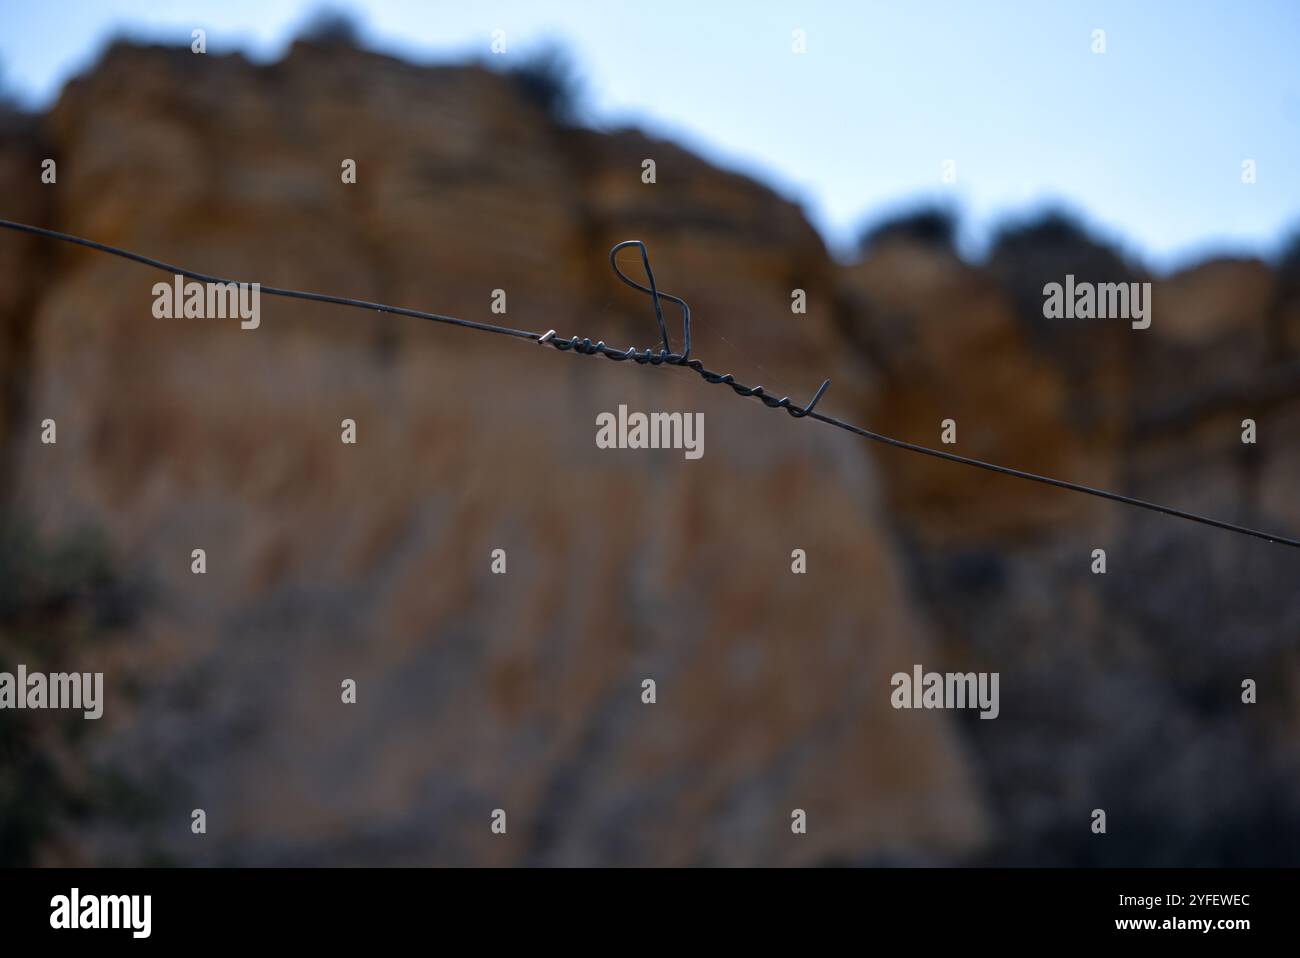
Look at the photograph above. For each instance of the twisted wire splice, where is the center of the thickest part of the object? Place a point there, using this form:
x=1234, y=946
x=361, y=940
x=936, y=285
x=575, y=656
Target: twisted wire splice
x=666, y=356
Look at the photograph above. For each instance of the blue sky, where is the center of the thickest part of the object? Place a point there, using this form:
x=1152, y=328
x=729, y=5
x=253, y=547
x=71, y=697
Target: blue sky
x=1145, y=142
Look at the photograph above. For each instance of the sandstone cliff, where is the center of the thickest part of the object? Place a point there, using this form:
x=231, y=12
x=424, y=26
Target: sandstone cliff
x=523, y=691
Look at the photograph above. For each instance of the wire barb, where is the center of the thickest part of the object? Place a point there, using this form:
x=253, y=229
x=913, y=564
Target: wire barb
x=666, y=356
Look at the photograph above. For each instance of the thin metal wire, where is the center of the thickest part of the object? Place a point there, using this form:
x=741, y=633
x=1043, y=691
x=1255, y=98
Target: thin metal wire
x=666, y=356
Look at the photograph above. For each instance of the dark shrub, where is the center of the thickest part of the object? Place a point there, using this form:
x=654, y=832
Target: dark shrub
x=329, y=26
x=933, y=226
x=1027, y=255
x=549, y=79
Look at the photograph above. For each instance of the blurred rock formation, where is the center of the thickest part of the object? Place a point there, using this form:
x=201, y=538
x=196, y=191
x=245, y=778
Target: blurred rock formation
x=523, y=691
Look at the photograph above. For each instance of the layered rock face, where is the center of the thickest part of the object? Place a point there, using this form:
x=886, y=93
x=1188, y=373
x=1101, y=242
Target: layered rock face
x=1123, y=690
x=524, y=691
x=372, y=562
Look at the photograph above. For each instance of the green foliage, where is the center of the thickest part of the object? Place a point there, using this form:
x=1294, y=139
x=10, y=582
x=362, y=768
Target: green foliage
x=54, y=598
x=70, y=587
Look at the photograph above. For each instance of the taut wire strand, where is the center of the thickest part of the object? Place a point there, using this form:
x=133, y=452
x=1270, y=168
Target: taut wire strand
x=666, y=356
